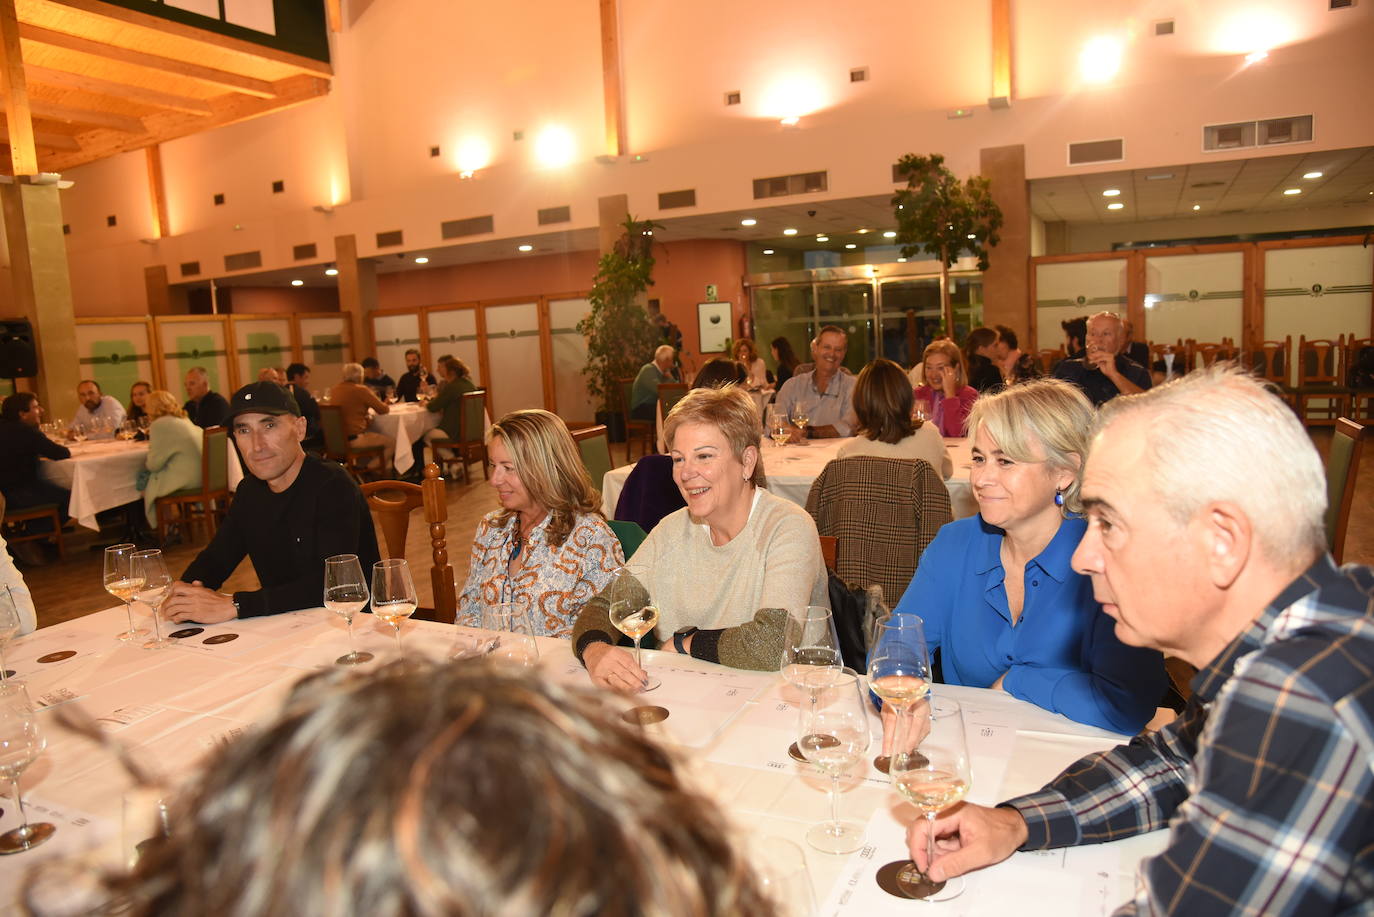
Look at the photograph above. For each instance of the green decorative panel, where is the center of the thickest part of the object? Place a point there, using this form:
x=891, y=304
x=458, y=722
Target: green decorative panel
x=325, y=350
x=192, y=350
x=114, y=365
x=265, y=348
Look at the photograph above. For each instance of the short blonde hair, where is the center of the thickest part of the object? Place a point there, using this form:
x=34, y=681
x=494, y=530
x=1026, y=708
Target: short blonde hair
x=550, y=466
x=353, y=372
x=956, y=359
x=161, y=403
x=1048, y=416
x=730, y=410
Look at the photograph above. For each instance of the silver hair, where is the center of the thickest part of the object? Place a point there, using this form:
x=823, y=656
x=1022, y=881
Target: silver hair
x=1048, y=416
x=1219, y=435
x=662, y=349
x=198, y=371
x=353, y=372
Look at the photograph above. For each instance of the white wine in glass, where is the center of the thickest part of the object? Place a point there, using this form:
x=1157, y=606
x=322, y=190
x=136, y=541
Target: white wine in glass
x=899, y=673
x=121, y=583
x=833, y=734
x=345, y=594
x=634, y=623
x=20, y=745
x=932, y=778
x=393, y=595
x=149, y=568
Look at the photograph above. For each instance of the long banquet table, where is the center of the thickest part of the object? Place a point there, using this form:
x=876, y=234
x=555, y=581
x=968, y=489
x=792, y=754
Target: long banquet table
x=791, y=470
x=732, y=727
x=404, y=424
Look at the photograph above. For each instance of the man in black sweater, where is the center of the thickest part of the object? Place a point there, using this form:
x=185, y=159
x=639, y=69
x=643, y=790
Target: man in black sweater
x=203, y=407
x=290, y=512
x=21, y=445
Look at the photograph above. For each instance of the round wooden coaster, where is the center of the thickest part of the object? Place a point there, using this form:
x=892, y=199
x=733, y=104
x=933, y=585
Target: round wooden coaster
x=883, y=762
x=58, y=656
x=644, y=716
x=186, y=632
x=901, y=879
x=220, y=638
x=795, y=753
x=10, y=673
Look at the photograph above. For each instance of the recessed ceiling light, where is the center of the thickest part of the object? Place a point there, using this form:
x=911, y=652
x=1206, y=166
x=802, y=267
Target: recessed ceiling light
x=789, y=232
x=862, y=231
x=902, y=260
x=1116, y=206
x=1159, y=176
x=331, y=272
x=748, y=222
x=822, y=238
x=527, y=248
x=1311, y=175
x=850, y=245
x=890, y=234
x=973, y=235
x=1292, y=191
x=1111, y=192
x=768, y=251
x=298, y=283
x=422, y=260
x=1197, y=206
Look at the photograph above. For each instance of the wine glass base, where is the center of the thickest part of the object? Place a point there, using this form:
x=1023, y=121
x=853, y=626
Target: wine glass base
x=353, y=659
x=882, y=763
x=820, y=741
x=902, y=879
x=650, y=683
x=19, y=840
x=829, y=837
x=644, y=715
x=161, y=643
x=128, y=635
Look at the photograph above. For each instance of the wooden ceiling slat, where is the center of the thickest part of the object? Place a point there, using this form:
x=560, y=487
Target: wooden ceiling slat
x=14, y=88
x=96, y=85
x=54, y=111
x=47, y=139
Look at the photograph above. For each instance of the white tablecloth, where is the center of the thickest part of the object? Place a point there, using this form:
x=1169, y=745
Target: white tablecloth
x=171, y=706
x=404, y=424
x=792, y=469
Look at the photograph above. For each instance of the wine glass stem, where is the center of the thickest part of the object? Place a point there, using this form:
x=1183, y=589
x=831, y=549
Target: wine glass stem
x=3, y=676
x=19, y=801
x=352, y=647
x=129, y=610
x=399, y=649
x=637, y=662
x=835, y=804
x=899, y=730
x=930, y=840
x=157, y=626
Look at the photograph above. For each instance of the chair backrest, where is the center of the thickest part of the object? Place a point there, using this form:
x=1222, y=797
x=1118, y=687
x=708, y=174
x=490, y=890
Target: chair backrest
x=1319, y=361
x=630, y=534
x=669, y=394
x=624, y=390
x=595, y=446
x=214, y=460
x=391, y=503
x=1342, y=468
x=474, y=416
x=334, y=430
x=1049, y=358
x=830, y=549
x=1270, y=360
x=650, y=493
x=1359, y=362
x=1212, y=352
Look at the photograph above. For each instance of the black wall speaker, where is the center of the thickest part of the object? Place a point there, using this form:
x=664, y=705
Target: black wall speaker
x=18, y=356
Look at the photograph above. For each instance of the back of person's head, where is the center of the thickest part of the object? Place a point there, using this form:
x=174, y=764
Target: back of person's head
x=296, y=370
x=353, y=372
x=978, y=338
x=1007, y=336
x=1046, y=420
x=460, y=369
x=443, y=789
x=16, y=404
x=731, y=410
x=1218, y=435
x=368, y=363
x=550, y=466
x=162, y=403
x=786, y=355
x=1076, y=329
x=883, y=402
x=720, y=371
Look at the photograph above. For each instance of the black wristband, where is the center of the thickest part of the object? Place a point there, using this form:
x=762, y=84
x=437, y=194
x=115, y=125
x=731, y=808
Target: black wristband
x=681, y=636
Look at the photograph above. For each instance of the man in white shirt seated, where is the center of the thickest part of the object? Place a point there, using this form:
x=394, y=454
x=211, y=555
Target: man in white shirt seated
x=99, y=414
x=825, y=394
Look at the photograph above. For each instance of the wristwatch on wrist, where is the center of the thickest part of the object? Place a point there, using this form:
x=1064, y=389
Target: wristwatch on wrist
x=680, y=636
x=235, y=602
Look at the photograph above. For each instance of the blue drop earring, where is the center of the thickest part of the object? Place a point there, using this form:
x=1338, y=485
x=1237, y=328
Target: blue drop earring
x=1059, y=498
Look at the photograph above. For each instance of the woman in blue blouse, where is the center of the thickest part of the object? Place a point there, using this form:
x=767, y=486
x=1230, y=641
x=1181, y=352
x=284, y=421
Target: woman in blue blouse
x=997, y=593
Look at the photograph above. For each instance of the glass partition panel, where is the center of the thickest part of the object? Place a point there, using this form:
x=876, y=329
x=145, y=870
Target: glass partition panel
x=453, y=332
x=910, y=318
x=116, y=355
x=966, y=302
x=569, y=357
x=1194, y=297
x=849, y=306
x=260, y=343
x=1317, y=293
x=788, y=312
x=394, y=335
x=324, y=343
x=517, y=379
x=1073, y=289
x=186, y=345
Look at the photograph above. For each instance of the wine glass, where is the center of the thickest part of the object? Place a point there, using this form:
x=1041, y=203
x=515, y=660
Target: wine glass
x=516, y=643
x=782, y=875
x=801, y=416
x=899, y=673
x=78, y=432
x=20, y=744
x=810, y=655
x=921, y=409
x=144, y=423
x=777, y=430
x=833, y=735
x=146, y=821
x=149, y=568
x=9, y=627
x=393, y=594
x=345, y=594
x=634, y=621
x=933, y=779
x=120, y=582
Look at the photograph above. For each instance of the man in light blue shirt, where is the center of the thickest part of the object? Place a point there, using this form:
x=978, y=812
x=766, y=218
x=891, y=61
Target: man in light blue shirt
x=99, y=414
x=825, y=393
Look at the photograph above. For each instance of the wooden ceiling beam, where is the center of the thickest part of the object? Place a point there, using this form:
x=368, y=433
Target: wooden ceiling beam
x=52, y=111
x=47, y=139
x=233, y=82
x=150, y=97
x=14, y=87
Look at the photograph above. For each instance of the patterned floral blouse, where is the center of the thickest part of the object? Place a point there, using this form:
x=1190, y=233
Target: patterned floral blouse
x=555, y=582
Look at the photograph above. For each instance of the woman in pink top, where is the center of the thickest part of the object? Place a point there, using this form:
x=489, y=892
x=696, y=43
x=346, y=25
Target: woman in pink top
x=946, y=388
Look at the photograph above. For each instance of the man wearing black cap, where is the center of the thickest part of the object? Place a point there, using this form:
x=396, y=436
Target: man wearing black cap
x=291, y=512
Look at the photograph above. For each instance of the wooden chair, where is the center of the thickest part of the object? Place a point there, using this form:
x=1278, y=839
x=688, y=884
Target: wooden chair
x=630, y=534
x=595, y=446
x=1049, y=359
x=644, y=429
x=1270, y=361
x=1319, y=379
x=1211, y=353
x=830, y=548
x=669, y=394
x=29, y=513
x=391, y=503
x=358, y=462
x=471, y=444
x=203, y=505
x=1359, y=357
x=1159, y=350
x=1342, y=469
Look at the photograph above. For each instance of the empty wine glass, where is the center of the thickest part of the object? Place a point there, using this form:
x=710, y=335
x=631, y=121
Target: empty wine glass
x=899, y=673
x=832, y=735
x=120, y=582
x=21, y=743
x=78, y=432
x=783, y=876
x=150, y=570
x=515, y=643
x=345, y=594
x=9, y=626
x=810, y=655
x=933, y=778
x=146, y=821
x=393, y=595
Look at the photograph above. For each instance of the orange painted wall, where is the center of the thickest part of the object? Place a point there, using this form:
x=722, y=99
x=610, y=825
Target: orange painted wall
x=682, y=271
x=282, y=301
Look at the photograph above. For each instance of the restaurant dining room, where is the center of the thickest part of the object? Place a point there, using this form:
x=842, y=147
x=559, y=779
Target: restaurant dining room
x=638, y=458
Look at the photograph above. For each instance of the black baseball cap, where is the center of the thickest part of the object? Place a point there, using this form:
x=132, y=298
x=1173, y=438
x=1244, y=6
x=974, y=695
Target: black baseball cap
x=263, y=397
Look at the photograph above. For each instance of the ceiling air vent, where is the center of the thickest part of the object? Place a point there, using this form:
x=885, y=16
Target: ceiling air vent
x=1097, y=151
x=555, y=215
x=303, y=252
x=388, y=239
x=242, y=261
x=858, y=75
x=783, y=185
x=732, y=98
x=668, y=200
x=472, y=226
x=1228, y=136
x=190, y=268
x=1242, y=134
x=1341, y=4
x=1164, y=27
x=1285, y=130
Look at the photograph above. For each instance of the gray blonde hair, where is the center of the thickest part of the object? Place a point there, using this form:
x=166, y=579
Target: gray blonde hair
x=1220, y=435
x=729, y=409
x=353, y=372
x=443, y=788
x=162, y=404
x=1048, y=416
x=550, y=466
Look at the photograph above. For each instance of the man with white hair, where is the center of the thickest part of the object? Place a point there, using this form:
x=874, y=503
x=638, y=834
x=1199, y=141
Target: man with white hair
x=355, y=399
x=204, y=408
x=1103, y=372
x=644, y=395
x=1266, y=780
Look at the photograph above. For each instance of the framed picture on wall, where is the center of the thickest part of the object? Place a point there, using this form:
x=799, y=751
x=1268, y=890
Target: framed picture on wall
x=713, y=324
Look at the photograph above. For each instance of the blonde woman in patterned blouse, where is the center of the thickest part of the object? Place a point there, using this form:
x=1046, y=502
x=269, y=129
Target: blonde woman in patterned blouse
x=548, y=547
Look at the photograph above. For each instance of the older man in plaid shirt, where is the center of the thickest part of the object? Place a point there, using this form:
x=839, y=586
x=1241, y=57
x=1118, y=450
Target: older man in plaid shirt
x=1205, y=501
